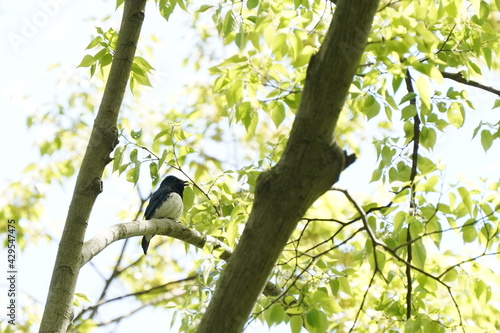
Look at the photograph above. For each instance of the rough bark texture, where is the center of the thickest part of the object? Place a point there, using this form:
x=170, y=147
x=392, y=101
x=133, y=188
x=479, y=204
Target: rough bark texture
x=58, y=311
x=310, y=165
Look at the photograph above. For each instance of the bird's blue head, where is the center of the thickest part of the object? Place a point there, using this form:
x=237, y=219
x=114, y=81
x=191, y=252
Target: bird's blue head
x=174, y=183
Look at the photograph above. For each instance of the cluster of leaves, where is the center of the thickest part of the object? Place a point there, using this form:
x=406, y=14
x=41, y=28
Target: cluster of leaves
x=423, y=38
x=106, y=42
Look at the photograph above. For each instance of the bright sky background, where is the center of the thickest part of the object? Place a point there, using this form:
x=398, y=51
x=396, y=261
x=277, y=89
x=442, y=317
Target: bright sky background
x=60, y=35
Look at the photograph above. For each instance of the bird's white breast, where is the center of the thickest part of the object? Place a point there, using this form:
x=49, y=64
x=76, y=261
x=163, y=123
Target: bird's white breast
x=172, y=207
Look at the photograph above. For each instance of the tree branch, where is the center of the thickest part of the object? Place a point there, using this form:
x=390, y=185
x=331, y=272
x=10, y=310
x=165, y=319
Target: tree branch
x=458, y=77
x=58, y=310
x=165, y=227
x=413, y=204
x=311, y=163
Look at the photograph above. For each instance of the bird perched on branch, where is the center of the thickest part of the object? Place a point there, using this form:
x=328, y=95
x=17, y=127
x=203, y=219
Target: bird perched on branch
x=166, y=202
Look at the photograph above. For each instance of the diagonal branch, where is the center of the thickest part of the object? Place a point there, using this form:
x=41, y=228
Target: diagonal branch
x=458, y=77
x=393, y=253
x=58, y=310
x=166, y=227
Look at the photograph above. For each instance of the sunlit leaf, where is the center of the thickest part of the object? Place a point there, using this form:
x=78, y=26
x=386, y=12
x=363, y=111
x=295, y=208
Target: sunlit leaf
x=486, y=139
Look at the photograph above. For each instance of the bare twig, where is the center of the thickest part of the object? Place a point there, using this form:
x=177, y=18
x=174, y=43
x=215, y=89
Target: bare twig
x=458, y=77
x=363, y=301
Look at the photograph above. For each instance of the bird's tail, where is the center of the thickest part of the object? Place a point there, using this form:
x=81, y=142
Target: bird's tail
x=145, y=243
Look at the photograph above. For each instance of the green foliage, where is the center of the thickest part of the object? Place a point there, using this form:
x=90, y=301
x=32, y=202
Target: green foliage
x=106, y=41
x=223, y=133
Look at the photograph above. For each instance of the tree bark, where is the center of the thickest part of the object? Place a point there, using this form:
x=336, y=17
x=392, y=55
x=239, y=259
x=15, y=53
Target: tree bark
x=58, y=310
x=310, y=165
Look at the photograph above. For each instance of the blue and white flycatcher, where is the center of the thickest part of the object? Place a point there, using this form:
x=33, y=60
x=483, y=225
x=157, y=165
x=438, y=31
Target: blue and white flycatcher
x=166, y=202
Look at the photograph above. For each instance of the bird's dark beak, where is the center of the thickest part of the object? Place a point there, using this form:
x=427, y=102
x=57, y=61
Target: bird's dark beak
x=186, y=183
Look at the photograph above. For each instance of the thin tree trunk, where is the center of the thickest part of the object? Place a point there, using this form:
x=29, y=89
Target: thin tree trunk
x=58, y=311
x=310, y=165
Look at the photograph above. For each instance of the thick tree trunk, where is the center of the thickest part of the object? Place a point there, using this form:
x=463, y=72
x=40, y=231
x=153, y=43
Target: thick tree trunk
x=310, y=165
x=58, y=311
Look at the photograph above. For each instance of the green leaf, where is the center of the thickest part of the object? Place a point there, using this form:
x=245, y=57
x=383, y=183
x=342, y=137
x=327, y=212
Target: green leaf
x=277, y=314
x=79, y=298
x=479, y=288
x=497, y=102
x=408, y=97
x=163, y=157
x=278, y=112
x=451, y=275
x=188, y=198
x=153, y=172
x=240, y=40
x=166, y=8
x=317, y=320
x=484, y=10
x=419, y=254
x=162, y=133
x=466, y=198
x=435, y=230
x=469, y=232
x=252, y=4
x=204, y=8
x=296, y=324
x=106, y=59
x=396, y=83
x=133, y=155
x=278, y=42
x=488, y=55
x=136, y=134
x=371, y=107
x=344, y=285
x=142, y=63
x=377, y=173
x=228, y=25
x=234, y=92
x=474, y=66
x=134, y=176
x=398, y=221
x=122, y=168
x=408, y=111
x=182, y=5
x=140, y=75
x=455, y=115
x=87, y=61
x=92, y=70
x=424, y=89
x=380, y=256
x=425, y=165
x=428, y=137
x=416, y=227
x=99, y=55
x=117, y=157
x=94, y=43
x=486, y=139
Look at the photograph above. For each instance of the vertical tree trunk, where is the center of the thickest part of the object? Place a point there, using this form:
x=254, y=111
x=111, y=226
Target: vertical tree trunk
x=311, y=163
x=58, y=311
